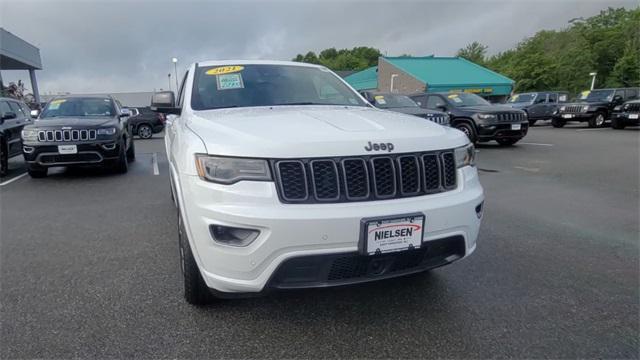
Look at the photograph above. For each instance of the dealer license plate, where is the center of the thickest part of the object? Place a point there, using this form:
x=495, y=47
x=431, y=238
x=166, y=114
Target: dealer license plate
x=385, y=235
x=633, y=116
x=67, y=149
x=516, y=126
x=567, y=116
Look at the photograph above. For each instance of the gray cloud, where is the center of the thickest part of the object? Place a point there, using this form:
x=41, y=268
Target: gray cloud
x=110, y=46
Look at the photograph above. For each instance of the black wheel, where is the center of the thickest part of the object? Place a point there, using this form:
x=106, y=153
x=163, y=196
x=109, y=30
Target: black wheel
x=131, y=152
x=468, y=130
x=558, y=123
x=121, y=165
x=196, y=291
x=36, y=172
x=145, y=131
x=507, y=142
x=617, y=123
x=597, y=120
x=4, y=158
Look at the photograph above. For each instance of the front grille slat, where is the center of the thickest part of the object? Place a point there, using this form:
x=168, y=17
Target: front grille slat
x=364, y=178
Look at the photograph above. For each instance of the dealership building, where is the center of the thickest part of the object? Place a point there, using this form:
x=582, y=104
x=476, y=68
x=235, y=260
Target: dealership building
x=409, y=75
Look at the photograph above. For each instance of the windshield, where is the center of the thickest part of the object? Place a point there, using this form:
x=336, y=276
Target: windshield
x=79, y=107
x=390, y=101
x=217, y=87
x=521, y=98
x=465, y=99
x=599, y=95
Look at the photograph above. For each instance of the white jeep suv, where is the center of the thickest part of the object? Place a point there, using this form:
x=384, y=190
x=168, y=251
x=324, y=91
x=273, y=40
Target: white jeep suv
x=285, y=177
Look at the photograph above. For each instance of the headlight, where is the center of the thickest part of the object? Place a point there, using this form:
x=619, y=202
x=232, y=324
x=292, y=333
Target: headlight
x=562, y=108
x=585, y=108
x=29, y=135
x=231, y=170
x=486, y=116
x=107, y=131
x=617, y=108
x=465, y=156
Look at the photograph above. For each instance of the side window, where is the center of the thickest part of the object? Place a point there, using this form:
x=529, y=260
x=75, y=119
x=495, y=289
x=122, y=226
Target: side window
x=553, y=98
x=632, y=94
x=619, y=93
x=434, y=101
x=4, y=107
x=541, y=98
x=15, y=108
x=181, y=91
x=25, y=110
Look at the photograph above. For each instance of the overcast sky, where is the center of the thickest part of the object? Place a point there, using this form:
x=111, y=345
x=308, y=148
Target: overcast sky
x=118, y=46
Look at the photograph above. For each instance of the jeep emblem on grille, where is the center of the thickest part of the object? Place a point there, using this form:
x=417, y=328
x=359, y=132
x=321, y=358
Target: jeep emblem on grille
x=377, y=147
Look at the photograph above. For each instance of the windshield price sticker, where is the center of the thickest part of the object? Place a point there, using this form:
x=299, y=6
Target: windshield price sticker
x=380, y=99
x=390, y=235
x=224, y=70
x=229, y=81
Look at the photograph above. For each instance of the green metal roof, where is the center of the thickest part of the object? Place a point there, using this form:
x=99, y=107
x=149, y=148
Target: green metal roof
x=448, y=71
x=364, y=80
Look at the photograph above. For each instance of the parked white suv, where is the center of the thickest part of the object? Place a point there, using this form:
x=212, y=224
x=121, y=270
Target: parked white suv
x=285, y=177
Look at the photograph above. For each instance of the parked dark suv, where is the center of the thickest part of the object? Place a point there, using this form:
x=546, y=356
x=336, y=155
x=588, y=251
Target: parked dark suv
x=595, y=108
x=476, y=117
x=14, y=115
x=78, y=130
x=404, y=104
x=145, y=122
x=628, y=114
x=538, y=105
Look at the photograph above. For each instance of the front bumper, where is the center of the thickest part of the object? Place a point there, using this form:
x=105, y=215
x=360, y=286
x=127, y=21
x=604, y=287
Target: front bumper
x=89, y=153
x=628, y=118
x=492, y=131
x=301, y=231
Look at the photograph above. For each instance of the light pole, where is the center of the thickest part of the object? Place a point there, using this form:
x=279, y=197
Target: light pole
x=175, y=69
x=393, y=77
x=593, y=80
x=169, y=77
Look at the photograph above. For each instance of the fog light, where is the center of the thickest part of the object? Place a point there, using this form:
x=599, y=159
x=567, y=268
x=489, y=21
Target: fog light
x=109, y=146
x=28, y=149
x=232, y=235
x=479, y=210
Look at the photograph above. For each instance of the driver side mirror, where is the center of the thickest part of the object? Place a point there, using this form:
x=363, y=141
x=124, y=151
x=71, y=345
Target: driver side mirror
x=164, y=102
x=442, y=108
x=9, y=115
x=617, y=99
x=35, y=113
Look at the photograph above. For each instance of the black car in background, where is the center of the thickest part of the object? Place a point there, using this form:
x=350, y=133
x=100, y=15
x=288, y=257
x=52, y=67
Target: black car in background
x=538, y=105
x=14, y=115
x=404, y=104
x=476, y=117
x=145, y=122
x=595, y=108
x=627, y=114
x=78, y=130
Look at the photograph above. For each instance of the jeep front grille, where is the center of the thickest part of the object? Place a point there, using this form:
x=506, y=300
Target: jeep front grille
x=572, y=109
x=510, y=117
x=66, y=135
x=364, y=178
x=632, y=107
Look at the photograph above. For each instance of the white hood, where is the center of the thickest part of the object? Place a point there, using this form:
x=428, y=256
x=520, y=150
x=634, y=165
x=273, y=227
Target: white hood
x=316, y=131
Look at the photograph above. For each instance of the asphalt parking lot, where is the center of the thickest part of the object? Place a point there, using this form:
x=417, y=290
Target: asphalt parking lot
x=89, y=268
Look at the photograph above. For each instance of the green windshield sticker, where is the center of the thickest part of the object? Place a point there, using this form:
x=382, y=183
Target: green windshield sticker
x=229, y=81
x=55, y=104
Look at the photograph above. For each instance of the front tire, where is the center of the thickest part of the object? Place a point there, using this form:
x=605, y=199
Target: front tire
x=4, y=159
x=597, y=120
x=507, y=142
x=121, y=165
x=558, y=123
x=145, y=131
x=131, y=152
x=36, y=172
x=618, y=124
x=468, y=130
x=196, y=291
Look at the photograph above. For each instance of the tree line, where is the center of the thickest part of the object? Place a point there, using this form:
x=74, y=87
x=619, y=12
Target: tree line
x=607, y=43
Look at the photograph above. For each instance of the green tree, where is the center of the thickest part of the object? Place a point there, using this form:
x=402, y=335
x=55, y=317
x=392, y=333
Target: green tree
x=474, y=52
x=358, y=58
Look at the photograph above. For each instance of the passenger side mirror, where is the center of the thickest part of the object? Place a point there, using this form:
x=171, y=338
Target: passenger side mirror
x=125, y=113
x=9, y=115
x=617, y=99
x=35, y=113
x=442, y=108
x=164, y=102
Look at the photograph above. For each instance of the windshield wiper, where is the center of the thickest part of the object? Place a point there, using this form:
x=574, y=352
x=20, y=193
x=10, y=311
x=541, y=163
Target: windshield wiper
x=300, y=103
